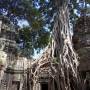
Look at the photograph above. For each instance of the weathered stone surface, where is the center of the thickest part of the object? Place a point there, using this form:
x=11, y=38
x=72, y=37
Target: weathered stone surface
x=81, y=40
x=13, y=68
x=81, y=36
x=84, y=54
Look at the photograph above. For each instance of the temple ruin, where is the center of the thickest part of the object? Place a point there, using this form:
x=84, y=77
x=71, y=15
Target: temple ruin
x=12, y=66
x=57, y=68
x=19, y=73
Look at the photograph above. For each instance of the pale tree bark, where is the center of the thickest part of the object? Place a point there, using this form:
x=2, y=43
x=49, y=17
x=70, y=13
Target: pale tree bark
x=0, y=25
x=63, y=48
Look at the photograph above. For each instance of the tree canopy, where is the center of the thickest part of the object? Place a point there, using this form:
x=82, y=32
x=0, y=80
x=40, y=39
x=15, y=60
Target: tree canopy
x=31, y=10
x=38, y=14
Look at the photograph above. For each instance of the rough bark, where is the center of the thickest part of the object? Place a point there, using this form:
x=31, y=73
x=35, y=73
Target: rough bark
x=63, y=49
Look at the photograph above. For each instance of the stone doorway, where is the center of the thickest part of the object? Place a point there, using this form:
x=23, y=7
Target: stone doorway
x=16, y=85
x=44, y=86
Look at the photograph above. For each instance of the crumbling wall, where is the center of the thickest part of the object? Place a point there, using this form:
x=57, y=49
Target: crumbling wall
x=43, y=72
x=12, y=66
x=81, y=41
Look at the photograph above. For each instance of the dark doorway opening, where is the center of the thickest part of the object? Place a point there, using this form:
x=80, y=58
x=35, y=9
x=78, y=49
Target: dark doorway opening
x=44, y=86
x=56, y=87
x=17, y=84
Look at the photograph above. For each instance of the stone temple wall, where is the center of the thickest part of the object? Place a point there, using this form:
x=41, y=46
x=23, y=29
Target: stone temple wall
x=81, y=41
x=13, y=67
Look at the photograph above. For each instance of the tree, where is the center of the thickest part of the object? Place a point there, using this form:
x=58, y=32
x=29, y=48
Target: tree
x=37, y=13
x=63, y=48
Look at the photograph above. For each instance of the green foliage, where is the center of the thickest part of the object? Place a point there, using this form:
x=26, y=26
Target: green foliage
x=33, y=39
x=37, y=13
x=56, y=60
x=42, y=1
x=37, y=25
x=88, y=1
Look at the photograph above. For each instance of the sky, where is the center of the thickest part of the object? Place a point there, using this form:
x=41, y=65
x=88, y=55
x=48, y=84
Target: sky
x=21, y=23
x=37, y=55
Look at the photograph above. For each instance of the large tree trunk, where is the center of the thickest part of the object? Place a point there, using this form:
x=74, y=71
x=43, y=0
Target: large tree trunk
x=63, y=48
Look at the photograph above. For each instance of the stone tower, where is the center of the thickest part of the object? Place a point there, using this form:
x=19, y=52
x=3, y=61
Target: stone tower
x=8, y=37
x=13, y=66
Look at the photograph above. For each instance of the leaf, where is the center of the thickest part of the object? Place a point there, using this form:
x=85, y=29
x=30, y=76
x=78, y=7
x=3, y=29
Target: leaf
x=42, y=1
x=36, y=25
x=88, y=1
